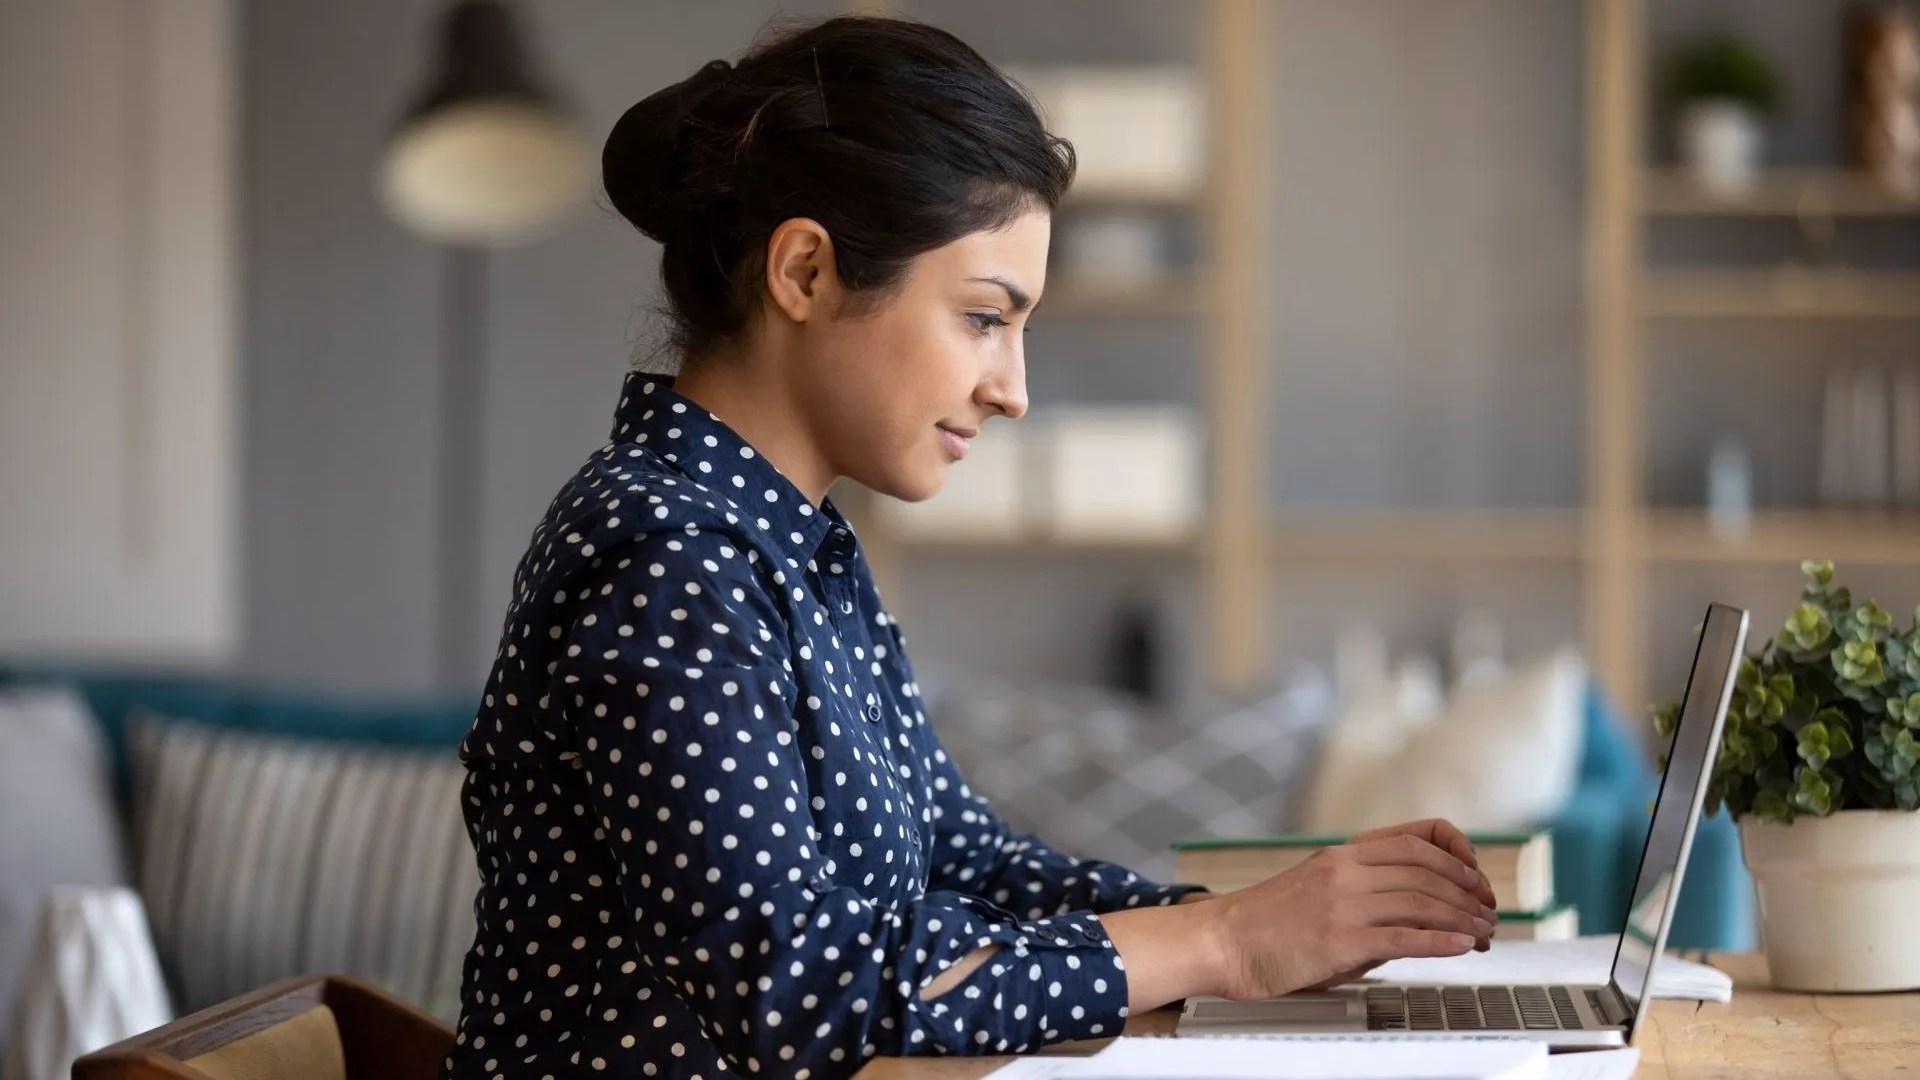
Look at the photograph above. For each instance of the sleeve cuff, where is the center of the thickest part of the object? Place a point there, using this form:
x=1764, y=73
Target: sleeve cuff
x=1053, y=980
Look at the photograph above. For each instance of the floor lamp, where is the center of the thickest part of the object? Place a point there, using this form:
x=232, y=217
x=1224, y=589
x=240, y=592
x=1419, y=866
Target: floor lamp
x=486, y=157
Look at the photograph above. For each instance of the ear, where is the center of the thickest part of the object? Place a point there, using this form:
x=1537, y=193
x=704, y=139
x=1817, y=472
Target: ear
x=802, y=280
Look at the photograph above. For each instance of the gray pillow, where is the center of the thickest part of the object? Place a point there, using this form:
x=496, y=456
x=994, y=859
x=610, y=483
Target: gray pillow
x=59, y=824
x=263, y=856
x=1100, y=775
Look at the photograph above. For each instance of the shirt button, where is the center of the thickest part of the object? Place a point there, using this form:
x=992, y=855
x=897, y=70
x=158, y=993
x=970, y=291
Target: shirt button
x=873, y=713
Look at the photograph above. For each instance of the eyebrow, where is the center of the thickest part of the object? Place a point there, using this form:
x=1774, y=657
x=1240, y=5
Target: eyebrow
x=1017, y=295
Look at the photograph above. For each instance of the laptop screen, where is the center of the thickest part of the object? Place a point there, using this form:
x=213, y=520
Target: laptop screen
x=1696, y=738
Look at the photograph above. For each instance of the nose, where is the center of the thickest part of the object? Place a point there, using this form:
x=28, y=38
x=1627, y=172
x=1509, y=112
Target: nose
x=1004, y=389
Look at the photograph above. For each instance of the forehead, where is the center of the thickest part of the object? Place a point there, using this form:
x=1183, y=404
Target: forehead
x=1017, y=251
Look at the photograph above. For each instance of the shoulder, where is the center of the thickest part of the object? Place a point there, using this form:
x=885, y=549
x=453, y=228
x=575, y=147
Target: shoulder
x=626, y=503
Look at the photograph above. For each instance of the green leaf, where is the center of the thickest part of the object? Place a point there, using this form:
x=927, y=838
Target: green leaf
x=1839, y=739
x=1780, y=688
x=1813, y=745
x=1812, y=792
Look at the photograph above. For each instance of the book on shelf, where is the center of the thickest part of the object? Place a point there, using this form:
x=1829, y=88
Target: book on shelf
x=1519, y=865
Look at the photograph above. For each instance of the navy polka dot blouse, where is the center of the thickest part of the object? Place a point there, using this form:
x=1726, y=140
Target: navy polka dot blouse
x=714, y=830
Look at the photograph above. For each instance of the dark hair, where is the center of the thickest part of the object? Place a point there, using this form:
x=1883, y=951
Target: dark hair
x=895, y=136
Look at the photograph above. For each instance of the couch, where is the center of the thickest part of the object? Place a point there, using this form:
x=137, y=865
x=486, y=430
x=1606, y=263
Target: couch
x=1598, y=833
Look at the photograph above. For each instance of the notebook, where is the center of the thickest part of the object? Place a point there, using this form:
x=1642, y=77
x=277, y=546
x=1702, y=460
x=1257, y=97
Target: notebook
x=1582, y=960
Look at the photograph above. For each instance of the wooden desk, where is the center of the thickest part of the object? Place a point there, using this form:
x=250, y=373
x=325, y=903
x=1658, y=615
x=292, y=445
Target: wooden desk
x=1761, y=1033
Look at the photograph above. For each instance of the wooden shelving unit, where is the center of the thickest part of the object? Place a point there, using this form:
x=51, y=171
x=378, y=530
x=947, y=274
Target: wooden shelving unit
x=1625, y=537
x=1794, y=193
x=1784, y=538
x=1613, y=538
x=1228, y=293
x=1786, y=293
x=1428, y=537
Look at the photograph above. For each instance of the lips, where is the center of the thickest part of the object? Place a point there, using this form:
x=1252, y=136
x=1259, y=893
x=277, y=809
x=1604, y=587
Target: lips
x=957, y=443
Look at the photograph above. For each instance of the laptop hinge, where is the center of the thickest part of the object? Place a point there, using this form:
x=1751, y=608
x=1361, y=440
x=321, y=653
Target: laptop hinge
x=1614, y=1005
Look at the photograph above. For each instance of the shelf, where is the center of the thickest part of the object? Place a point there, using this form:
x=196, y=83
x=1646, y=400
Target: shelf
x=1443, y=536
x=1787, y=537
x=1783, y=293
x=1457, y=536
x=1175, y=296
x=1038, y=544
x=1798, y=193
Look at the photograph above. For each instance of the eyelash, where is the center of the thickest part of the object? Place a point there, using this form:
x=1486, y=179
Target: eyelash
x=985, y=321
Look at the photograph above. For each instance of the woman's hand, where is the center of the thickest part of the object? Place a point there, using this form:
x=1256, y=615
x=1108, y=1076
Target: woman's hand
x=1389, y=893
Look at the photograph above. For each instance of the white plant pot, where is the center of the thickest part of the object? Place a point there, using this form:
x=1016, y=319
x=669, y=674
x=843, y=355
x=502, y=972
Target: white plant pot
x=1837, y=899
x=1720, y=144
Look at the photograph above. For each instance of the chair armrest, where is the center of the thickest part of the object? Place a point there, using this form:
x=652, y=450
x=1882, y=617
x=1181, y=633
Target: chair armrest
x=386, y=1035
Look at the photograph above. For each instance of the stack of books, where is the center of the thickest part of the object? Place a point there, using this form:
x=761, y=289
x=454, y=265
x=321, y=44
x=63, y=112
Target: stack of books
x=1519, y=865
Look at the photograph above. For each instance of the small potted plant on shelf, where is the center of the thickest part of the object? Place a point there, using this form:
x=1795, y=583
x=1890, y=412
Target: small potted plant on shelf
x=1820, y=765
x=1722, y=91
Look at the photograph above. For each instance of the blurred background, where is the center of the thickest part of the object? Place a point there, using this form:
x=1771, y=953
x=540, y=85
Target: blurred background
x=1411, y=374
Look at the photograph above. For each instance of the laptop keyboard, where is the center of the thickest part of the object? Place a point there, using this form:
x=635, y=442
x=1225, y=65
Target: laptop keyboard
x=1475, y=1008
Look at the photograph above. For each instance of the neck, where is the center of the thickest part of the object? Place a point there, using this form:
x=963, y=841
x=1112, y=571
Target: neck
x=756, y=405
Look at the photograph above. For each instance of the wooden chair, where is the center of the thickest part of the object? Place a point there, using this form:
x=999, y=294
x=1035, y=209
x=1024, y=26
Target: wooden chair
x=314, y=1027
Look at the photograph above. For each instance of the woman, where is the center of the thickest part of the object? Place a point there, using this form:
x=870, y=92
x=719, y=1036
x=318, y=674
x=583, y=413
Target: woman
x=715, y=831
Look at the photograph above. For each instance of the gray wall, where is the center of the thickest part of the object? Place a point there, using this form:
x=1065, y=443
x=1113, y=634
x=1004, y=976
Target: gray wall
x=1428, y=186
x=343, y=329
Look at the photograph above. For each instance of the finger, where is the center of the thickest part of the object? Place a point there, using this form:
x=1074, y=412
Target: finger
x=1446, y=836
x=1412, y=850
x=1451, y=840
x=1384, y=943
x=1423, y=829
x=1424, y=912
x=1419, y=879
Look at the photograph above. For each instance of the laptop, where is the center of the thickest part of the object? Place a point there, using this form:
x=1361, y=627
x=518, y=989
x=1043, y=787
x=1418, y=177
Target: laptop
x=1560, y=1015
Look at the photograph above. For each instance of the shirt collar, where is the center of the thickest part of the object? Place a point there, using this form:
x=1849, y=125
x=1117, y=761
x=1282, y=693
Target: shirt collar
x=707, y=450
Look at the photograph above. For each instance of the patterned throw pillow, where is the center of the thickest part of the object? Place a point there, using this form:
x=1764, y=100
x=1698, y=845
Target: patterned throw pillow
x=1102, y=776
x=266, y=856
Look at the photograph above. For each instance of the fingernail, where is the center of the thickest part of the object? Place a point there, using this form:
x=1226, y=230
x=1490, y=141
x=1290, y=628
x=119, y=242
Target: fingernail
x=1461, y=941
x=1484, y=926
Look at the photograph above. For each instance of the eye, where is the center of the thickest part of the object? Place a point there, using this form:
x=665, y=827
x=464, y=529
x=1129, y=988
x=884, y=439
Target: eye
x=985, y=321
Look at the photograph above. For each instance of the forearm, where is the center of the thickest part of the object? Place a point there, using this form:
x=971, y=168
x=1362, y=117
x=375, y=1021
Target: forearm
x=1170, y=952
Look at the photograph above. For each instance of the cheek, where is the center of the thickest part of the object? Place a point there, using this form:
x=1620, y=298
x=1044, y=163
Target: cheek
x=915, y=373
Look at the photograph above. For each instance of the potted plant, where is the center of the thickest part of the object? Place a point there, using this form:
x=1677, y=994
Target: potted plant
x=1820, y=765
x=1722, y=90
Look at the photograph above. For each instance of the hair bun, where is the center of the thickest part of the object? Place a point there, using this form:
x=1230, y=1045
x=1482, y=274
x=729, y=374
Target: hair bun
x=644, y=161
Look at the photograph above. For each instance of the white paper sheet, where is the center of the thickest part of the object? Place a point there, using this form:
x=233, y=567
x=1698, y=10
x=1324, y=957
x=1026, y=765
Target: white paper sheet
x=1587, y=1065
x=1594, y=1065
x=1036, y=1068
x=1313, y=1058
x=1585, y=960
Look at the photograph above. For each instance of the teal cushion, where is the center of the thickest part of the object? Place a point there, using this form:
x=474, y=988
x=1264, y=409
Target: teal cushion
x=423, y=722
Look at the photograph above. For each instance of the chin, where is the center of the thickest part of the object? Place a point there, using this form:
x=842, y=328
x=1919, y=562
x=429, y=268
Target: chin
x=910, y=487
x=919, y=489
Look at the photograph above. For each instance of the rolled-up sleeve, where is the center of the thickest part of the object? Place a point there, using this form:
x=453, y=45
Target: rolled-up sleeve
x=688, y=738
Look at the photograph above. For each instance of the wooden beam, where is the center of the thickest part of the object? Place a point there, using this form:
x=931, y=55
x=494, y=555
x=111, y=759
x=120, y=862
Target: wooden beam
x=1615, y=394
x=1237, y=292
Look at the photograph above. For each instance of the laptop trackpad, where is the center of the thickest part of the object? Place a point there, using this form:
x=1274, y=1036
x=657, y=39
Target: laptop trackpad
x=1313, y=1012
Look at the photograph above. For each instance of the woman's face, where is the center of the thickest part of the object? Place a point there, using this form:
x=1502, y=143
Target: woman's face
x=898, y=393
